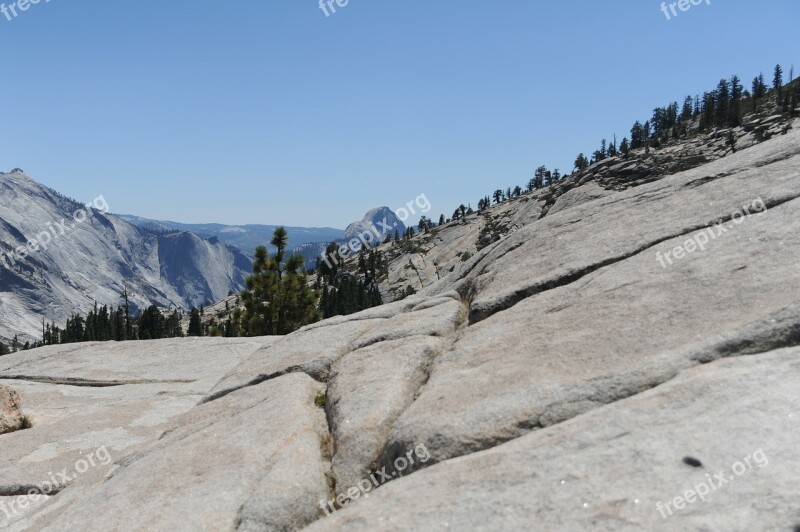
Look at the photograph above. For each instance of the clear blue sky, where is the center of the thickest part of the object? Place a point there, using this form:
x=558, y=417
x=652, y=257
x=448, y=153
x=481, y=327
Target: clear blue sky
x=267, y=111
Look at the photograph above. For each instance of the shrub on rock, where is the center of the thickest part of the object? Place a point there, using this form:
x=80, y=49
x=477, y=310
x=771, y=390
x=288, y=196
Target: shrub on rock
x=11, y=417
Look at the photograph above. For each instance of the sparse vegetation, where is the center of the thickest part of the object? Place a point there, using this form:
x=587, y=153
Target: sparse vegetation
x=321, y=400
x=491, y=232
x=715, y=111
x=404, y=293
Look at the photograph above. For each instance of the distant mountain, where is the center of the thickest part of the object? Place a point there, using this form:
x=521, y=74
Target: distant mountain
x=381, y=221
x=245, y=237
x=92, y=256
x=310, y=242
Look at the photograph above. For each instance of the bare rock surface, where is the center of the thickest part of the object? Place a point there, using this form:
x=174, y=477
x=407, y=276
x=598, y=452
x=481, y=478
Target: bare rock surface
x=576, y=241
x=569, y=362
x=12, y=508
x=636, y=320
x=70, y=421
x=253, y=460
x=576, y=196
x=370, y=388
x=114, y=397
x=197, y=361
x=610, y=469
x=315, y=348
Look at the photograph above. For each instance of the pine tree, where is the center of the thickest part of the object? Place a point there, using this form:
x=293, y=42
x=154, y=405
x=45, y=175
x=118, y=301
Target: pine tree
x=297, y=303
x=612, y=148
x=777, y=80
x=195, y=324
x=624, y=149
x=754, y=93
x=601, y=154
x=734, y=116
x=280, y=239
x=540, y=177
x=686, y=112
x=581, y=163
x=722, y=103
x=345, y=294
x=637, y=137
x=128, y=324
x=759, y=90
x=276, y=303
x=172, y=326
x=707, y=113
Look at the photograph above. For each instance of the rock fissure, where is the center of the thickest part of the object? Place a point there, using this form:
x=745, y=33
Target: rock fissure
x=777, y=331
x=480, y=314
x=88, y=383
x=254, y=382
x=20, y=490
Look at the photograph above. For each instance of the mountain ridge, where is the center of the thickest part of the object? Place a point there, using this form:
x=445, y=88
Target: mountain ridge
x=58, y=262
x=245, y=237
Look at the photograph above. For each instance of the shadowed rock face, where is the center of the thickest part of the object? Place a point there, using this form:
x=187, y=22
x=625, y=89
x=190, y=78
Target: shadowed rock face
x=564, y=375
x=10, y=410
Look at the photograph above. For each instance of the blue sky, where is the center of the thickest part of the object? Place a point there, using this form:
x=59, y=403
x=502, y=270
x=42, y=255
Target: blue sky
x=267, y=111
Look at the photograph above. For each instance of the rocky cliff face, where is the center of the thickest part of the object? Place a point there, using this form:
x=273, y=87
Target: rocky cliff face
x=82, y=255
x=629, y=361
